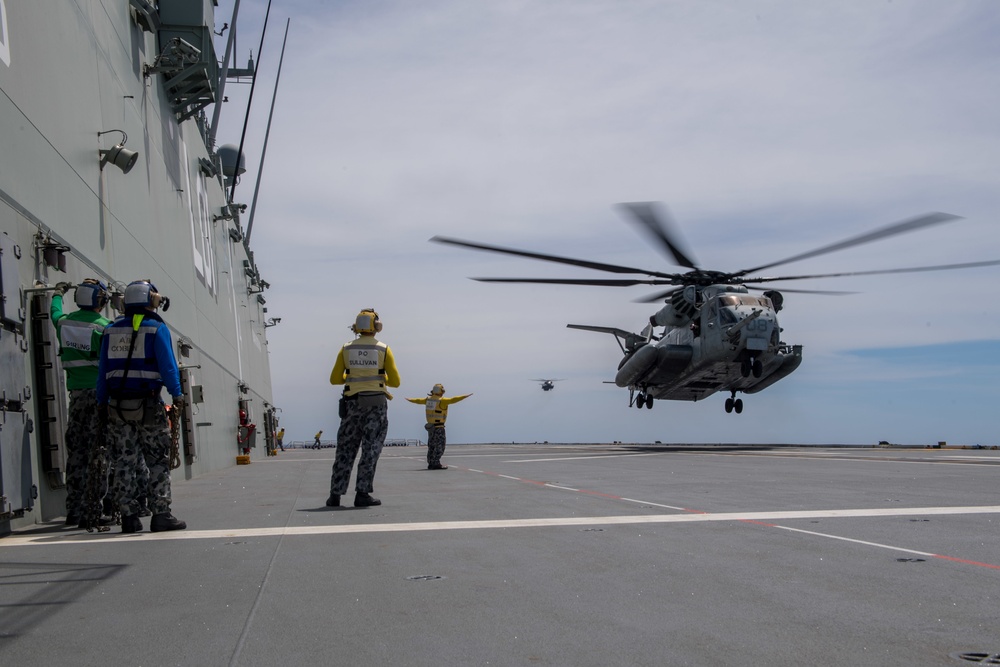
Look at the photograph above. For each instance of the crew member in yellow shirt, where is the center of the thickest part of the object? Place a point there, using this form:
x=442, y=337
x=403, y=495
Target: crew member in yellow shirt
x=366, y=368
x=437, y=412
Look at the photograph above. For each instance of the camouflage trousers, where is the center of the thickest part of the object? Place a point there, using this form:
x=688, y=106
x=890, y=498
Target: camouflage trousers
x=435, y=445
x=136, y=447
x=364, y=427
x=81, y=439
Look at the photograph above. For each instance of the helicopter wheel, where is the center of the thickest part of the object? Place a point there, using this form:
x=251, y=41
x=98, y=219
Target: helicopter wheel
x=640, y=400
x=649, y=402
x=738, y=405
x=745, y=368
x=729, y=405
x=757, y=368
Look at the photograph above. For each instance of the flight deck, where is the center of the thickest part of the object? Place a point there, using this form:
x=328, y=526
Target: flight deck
x=536, y=554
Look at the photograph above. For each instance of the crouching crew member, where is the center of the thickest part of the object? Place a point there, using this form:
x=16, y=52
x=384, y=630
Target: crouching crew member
x=366, y=368
x=437, y=413
x=137, y=361
x=79, y=335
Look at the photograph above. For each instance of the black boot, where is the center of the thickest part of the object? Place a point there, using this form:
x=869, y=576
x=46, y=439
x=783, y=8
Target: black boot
x=131, y=524
x=365, y=500
x=333, y=500
x=72, y=519
x=166, y=521
x=144, y=506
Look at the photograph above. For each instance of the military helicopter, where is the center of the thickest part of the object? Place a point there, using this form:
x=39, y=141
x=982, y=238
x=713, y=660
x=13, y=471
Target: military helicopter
x=716, y=335
x=547, y=384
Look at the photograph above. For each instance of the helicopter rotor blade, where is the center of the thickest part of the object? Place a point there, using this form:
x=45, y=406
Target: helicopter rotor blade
x=605, y=282
x=599, y=266
x=802, y=291
x=901, y=227
x=654, y=298
x=912, y=269
x=655, y=220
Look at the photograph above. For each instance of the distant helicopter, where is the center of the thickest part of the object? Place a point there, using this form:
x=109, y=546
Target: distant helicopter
x=716, y=335
x=547, y=384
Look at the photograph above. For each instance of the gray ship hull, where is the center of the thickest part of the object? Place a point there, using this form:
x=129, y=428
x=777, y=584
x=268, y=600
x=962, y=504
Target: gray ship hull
x=69, y=71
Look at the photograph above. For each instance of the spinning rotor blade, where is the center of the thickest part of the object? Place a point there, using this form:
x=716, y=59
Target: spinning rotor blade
x=611, y=268
x=606, y=282
x=658, y=224
x=654, y=298
x=914, y=269
x=803, y=291
x=908, y=225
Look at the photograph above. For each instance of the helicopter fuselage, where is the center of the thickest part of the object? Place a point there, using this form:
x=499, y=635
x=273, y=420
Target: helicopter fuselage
x=732, y=343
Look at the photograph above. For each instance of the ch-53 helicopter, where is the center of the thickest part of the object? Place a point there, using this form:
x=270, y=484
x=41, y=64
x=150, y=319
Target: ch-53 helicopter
x=716, y=335
x=547, y=385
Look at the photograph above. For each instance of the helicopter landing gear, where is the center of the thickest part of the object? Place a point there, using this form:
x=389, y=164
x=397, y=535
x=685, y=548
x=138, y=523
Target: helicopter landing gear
x=751, y=366
x=734, y=403
x=644, y=399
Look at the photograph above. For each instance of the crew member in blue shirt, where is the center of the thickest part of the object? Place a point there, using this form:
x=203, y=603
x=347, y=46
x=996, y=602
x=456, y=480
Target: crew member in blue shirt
x=137, y=361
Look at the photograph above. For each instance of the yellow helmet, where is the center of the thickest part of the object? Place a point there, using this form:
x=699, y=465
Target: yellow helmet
x=367, y=322
x=437, y=390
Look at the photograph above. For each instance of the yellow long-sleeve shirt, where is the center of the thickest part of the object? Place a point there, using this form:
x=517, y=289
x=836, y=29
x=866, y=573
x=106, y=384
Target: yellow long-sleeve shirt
x=437, y=407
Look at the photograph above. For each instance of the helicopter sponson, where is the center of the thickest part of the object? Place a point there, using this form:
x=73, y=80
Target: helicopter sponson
x=642, y=365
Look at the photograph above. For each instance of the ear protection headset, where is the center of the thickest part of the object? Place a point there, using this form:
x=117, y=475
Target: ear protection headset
x=367, y=322
x=437, y=390
x=91, y=294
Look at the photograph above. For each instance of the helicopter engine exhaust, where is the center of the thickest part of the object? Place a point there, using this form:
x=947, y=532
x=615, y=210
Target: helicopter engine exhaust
x=679, y=311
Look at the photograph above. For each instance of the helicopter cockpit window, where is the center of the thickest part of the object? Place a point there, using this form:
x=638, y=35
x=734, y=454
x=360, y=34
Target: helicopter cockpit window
x=727, y=316
x=745, y=300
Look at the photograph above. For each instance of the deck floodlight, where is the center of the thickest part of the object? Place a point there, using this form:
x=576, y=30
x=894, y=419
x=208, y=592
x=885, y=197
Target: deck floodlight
x=118, y=155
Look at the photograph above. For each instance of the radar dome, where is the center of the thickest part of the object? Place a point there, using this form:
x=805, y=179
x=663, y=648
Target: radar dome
x=230, y=166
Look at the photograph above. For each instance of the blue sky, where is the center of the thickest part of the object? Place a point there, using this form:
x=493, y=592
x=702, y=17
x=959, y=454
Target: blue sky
x=768, y=128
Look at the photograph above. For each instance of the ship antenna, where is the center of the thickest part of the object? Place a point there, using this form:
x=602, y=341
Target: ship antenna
x=267, y=134
x=230, y=41
x=246, y=118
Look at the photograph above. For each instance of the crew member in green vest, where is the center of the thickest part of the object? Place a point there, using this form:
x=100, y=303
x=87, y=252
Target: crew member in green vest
x=79, y=335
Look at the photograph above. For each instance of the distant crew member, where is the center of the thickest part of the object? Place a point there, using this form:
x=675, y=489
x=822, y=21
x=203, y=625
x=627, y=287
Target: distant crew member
x=280, y=438
x=79, y=336
x=137, y=361
x=437, y=412
x=316, y=442
x=366, y=368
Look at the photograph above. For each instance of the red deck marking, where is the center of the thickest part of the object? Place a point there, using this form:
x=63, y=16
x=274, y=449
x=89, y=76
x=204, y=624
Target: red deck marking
x=967, y=562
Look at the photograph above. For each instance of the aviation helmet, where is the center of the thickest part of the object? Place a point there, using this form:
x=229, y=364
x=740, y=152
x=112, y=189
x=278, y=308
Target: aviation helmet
x=143, y=294
x=367, y=322
x=437, y=390
x=91, y=294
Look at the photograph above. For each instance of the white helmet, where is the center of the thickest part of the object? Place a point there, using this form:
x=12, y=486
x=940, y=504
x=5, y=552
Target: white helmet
x=92, y=294
x=143, y=294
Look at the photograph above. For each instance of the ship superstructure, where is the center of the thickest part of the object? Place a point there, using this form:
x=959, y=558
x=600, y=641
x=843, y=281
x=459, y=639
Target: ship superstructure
x=108, y=170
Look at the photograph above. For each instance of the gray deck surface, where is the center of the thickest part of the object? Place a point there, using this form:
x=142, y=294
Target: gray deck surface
x=535, y=555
